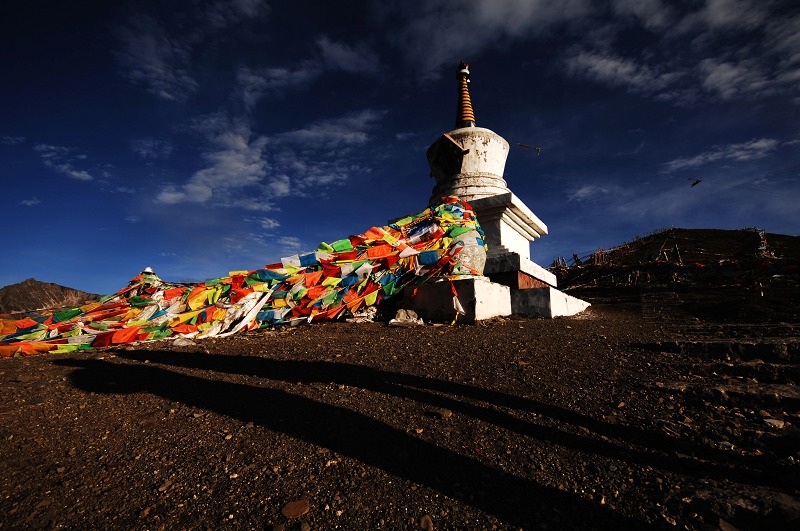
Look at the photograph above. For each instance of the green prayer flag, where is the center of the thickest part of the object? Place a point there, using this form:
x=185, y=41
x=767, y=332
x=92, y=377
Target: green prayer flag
x=342, y=245
x=458, y=231
x=66, y=315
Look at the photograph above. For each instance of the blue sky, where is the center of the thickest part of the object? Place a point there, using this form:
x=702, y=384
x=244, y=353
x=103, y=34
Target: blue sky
x=207, y=136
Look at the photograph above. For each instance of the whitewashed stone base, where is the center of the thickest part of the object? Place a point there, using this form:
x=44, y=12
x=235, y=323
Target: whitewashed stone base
x=508, y=223
x=480, y=299
x=548, y=302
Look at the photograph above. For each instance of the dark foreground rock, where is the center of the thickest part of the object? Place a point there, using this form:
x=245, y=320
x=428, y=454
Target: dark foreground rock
x=636, y=414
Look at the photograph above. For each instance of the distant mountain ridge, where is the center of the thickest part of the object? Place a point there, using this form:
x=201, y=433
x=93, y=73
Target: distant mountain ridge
x=32, y=294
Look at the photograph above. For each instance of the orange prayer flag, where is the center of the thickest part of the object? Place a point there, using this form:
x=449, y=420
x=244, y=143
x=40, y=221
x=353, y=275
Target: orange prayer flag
x=240, y=294
x=375, y=233
x=6, y=351
x=316, y=291
x=354, y=305
x=196, y=291
x=34, y=349
x=184, y=329
x=334, y=312
x=7, y=326
x=350, y=296
x=379, y=251
x=125, y=335
x=102, y=340
x=173, y=292
x=313, y=278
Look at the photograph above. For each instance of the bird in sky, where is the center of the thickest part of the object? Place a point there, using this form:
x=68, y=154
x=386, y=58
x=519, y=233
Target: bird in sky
x=526, y=146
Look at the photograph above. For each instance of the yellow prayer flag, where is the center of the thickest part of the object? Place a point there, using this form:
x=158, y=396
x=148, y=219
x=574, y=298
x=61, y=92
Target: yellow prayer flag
x=371, y=298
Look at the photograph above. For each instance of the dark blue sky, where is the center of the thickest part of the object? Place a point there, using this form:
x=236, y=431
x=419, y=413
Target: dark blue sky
x=199, y=137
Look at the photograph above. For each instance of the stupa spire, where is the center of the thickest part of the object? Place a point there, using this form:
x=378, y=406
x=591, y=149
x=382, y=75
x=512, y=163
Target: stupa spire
x=465, y=116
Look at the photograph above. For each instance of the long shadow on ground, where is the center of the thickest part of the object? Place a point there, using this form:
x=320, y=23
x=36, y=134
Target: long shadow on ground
x=644, y=447
x=513, y=499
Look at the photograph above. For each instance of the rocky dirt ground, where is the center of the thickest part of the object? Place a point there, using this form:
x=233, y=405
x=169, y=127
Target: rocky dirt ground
x=646, y=411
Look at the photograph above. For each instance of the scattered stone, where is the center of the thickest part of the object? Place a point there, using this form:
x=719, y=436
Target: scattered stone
x=426, y=523
x=183, y=342
x=406, y=318
x=166, y=485
x=775, y=423
x=296, y=509
x=443, y=413
x=305, y=527
x=367, y=315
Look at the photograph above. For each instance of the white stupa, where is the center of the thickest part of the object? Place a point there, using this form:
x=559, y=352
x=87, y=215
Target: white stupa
x=469, y=162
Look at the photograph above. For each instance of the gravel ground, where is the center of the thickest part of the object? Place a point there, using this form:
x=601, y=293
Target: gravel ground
x=634, y=414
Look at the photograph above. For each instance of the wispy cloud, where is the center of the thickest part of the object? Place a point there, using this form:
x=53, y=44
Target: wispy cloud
x=719, y=63
x=268, y=223
x=254, y=83
x=586, y=192
x=725, y=15
x=161, y=58
x=652, y=14
x=750, y=150
x=254, y=204
x=12, y=140
x=152, y=148
x=133, y=219
x=349, y=130
x=235, y=160
x=241, y=172
x=221, y=14
x=619, y=71
x=432, y=33
x=349, y=58
x=280, y=185
x=154, y=58
x=33, y=201
x=290, y=242
x=61, y=159
x=320, y=155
